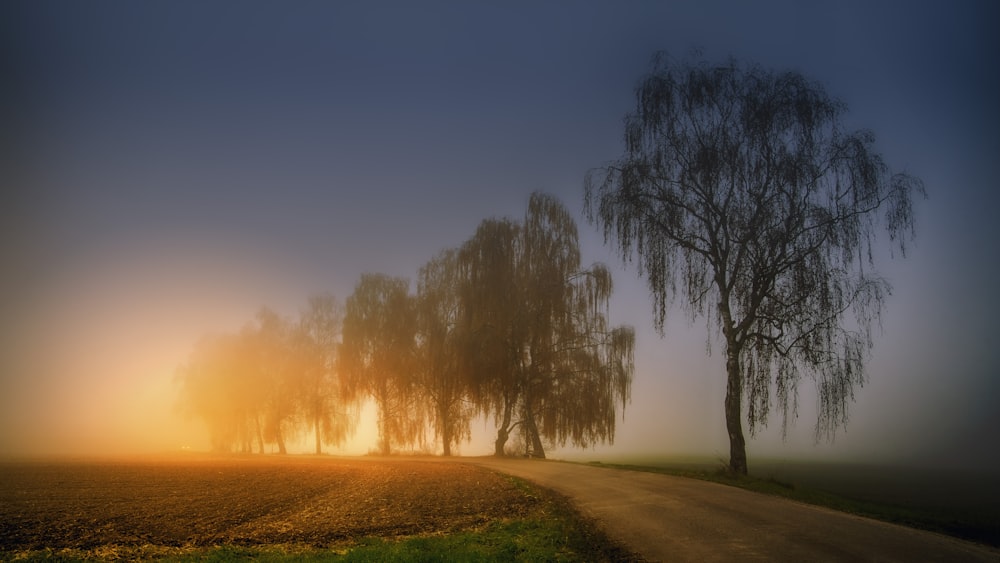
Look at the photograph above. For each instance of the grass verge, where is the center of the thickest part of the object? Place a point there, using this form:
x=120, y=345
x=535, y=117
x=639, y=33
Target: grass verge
x=555, y=532
x=977, y=526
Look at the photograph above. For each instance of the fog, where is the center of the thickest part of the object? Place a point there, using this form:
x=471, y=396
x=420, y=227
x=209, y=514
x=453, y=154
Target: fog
x=176, y=166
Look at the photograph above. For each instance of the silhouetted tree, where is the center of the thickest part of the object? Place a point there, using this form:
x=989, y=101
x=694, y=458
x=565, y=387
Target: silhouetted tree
x=492, y=321
x=539, y=344
x=376, y=356
x=439, y=363
x=741, y=193
x=323, y=405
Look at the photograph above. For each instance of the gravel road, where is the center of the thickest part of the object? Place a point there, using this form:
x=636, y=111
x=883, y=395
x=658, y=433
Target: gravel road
x=667, y=518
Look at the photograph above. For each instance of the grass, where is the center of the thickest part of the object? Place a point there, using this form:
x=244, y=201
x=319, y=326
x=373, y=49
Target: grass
x=557, y=532
x=534, y=539
x=976, y=523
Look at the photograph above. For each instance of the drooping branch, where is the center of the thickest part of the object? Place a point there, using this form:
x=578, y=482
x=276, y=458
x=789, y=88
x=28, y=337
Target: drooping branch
x=739, y=188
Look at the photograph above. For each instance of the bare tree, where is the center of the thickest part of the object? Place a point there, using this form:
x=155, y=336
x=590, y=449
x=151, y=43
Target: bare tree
x=741, y=193
x=376, y=356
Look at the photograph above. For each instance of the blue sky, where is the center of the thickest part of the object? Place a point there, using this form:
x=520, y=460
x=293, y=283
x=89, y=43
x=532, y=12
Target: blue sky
x=171, y=166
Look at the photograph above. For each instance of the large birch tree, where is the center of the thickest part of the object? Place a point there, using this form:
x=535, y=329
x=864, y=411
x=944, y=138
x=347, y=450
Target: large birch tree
x=742, y=195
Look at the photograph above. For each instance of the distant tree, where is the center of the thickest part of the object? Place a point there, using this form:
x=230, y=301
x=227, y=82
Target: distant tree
x=216, y=386
x=492, y=321
x=376, y=356
x=199, y=393
x=249, y=386
x=322, y=403
x=439, y=366
x=276, y=369
x=742, y=194
x=264, y=383
x=539, y=344
x=580, y=368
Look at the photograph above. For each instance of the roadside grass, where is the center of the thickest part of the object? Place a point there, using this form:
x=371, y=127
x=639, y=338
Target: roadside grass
x=980, y=526
x=555, y=532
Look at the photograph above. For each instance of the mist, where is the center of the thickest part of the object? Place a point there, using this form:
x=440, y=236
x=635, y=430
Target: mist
x=176, y=168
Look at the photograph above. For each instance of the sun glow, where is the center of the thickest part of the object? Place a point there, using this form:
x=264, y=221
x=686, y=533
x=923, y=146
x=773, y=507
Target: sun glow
x=90, y=368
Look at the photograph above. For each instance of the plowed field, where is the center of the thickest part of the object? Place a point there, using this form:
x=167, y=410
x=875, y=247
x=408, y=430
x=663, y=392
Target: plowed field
x=198, y=501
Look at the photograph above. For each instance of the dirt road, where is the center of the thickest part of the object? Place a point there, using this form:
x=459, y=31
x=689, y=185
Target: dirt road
x=668, y=518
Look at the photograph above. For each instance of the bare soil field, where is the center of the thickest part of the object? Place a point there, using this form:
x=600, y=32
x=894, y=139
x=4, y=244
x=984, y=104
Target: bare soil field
x=200, y=501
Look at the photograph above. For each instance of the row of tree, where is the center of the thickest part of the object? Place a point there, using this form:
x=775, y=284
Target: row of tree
x=741, y=196
x=271, y=382
x=509, y=325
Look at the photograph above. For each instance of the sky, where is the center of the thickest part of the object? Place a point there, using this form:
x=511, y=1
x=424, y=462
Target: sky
x=169, y=167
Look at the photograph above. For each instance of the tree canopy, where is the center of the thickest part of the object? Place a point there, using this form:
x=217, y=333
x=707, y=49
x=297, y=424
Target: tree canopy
x=542, y=353
x=742, y=196
x=376, y=356
x=440, y=369
x=324, y=404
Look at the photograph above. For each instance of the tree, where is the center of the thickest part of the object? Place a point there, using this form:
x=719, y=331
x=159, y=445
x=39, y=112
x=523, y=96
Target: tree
x=332, y=418
x=741, y=193
x=269, y=380
x=439, y=367
x=541, y=348
x=376, y=356
x=275, y=368
x=492, y=322
x=219, y=386
x=203, y=381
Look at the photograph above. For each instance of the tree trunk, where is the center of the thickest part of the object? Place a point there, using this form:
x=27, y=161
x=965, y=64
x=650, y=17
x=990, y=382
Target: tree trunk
x=734, y=418
x=260, y=434
x=503, y=432
x=385, y=413
x=281, y=443
x=500, y=442
x=445, y=429
x=734, y=388
x=446, y=440
x=319, y=449
x=534, y=440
